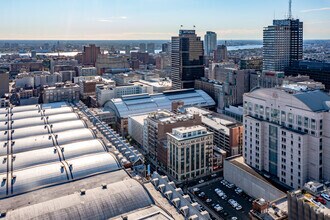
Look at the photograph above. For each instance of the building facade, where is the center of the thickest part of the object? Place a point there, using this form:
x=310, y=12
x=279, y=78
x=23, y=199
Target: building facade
x=4, y=83
x=61, y=92
x=286, y=133
x=282, y=44
x=210, y=43
x=187, y=59
x=190, y=152
x=90, y=54
x=156, y=127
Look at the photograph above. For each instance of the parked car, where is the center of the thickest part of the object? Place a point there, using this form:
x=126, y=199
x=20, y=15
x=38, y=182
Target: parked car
x=321, y=200
x=218, y=208
x=201, y=181
x=224, y=182
x=209, y=200
x=326, y=196
x=239, y=207
x=224, y=196
x=214, y=175
x=196, y=189
x=216, y=190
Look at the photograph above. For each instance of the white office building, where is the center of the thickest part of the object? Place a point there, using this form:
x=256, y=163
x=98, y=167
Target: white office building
x=190, y=152
x=287, y=132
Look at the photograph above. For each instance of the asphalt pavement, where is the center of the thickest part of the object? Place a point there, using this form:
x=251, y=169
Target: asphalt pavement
x=228, y=211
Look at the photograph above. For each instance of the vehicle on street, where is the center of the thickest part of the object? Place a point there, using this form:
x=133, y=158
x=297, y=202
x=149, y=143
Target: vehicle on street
x=218, y=208
x=196, y=189
x=321, y=200
x=209, y=200
x=201, y=181
x=326, y=196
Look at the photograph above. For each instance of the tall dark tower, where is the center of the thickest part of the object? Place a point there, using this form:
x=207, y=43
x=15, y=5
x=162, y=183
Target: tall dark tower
x=187, y=59
x=282, y=43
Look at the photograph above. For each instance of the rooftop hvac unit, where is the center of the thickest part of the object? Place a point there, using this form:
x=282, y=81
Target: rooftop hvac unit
x=82, y=192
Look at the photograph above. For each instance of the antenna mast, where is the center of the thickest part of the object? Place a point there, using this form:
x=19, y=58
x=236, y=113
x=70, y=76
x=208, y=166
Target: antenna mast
x=290, y=10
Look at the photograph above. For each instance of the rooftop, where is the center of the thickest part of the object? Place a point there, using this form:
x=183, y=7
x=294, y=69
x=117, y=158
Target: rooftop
x=309, y=99
x=183, y=133
x=145, y=103
x=59, y=169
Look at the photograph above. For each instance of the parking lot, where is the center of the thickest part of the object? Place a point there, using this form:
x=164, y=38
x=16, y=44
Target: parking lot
x=227, y=210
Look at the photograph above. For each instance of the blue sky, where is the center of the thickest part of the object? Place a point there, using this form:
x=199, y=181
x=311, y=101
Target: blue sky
x=154, y=19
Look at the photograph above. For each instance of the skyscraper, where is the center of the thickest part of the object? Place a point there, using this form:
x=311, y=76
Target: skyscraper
x=187, y=59
x=221, y=53
x=90, y=54
x=282, y=44
x=210, y=42
x=151, y=47
x=142, y=47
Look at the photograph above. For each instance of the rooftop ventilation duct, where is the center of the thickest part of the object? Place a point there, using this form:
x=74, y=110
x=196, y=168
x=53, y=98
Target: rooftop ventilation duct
x=176, y=202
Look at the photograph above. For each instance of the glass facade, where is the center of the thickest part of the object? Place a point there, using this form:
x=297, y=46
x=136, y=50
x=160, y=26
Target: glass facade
x=273, y=143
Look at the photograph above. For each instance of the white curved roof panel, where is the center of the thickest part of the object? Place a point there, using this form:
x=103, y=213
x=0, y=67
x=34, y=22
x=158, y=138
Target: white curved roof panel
x=40, y=120
x=3, y=164
x=71, y=136
x=78, y=149
x=39, y=176
x=35, y=157
x=68, y=125
x=92, y=164
x=19, y=109
x=42, y=129
x=24, y=132
x=35, y=113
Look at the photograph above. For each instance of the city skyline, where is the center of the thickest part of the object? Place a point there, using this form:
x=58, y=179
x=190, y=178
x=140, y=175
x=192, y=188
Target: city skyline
x=154, y=19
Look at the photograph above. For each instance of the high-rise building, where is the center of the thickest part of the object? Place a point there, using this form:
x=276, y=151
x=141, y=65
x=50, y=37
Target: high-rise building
x=190, y=152
x=166, y=47
x=210, y=42
x=221, y=54
x=282, y=44
x=187, y=59
x=142, y=47
x=286, y=132
x=127, y=49
x=90, y=54
x=151, y=47
x=4, y=83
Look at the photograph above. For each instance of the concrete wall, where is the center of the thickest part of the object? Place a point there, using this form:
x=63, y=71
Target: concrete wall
x=251, y=185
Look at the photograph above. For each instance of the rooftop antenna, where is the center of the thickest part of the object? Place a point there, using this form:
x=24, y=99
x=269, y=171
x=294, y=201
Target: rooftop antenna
x=181, y=26
x=290, y=9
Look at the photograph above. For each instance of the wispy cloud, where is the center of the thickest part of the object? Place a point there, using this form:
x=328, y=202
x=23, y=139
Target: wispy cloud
x=104, y=20
x=112, y=19
x=315, y=9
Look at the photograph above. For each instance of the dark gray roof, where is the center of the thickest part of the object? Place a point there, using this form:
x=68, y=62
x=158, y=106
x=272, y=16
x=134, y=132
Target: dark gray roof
x=117, y=199
x=315, y=100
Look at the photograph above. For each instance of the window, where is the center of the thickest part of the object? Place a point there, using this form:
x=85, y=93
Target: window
x=306, y=122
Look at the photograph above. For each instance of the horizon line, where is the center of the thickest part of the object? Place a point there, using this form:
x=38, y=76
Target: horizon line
x=169, y=40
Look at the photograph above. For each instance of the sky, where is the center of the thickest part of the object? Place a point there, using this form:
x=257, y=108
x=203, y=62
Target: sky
x=154, y=19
